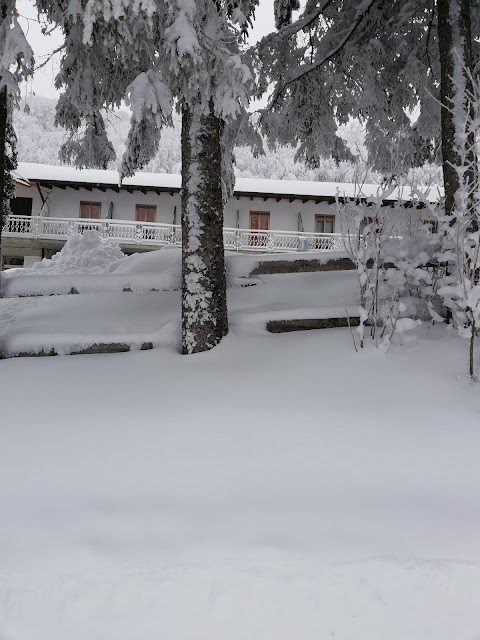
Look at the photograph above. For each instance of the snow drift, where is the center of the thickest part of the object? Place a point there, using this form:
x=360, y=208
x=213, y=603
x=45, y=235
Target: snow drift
x=83, y=253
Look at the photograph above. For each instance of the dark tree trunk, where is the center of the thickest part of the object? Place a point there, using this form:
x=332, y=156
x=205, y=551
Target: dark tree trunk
x=455, y=51
x=204, y=290
x=3, y=165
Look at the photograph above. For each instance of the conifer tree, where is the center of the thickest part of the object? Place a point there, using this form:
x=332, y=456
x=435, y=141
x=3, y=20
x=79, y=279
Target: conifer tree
x=16, y=63
x=158, y=55
x=375, y=61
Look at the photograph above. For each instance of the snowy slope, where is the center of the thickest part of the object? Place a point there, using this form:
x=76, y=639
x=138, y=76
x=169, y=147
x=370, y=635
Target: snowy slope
x=72, y=322
x=278, y=487
x=77, y=267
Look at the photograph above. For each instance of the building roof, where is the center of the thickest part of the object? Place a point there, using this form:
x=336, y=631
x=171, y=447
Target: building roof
x=63, y=177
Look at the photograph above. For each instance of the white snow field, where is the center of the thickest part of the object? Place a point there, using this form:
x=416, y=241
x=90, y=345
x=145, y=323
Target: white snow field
x=86, y=259
x=69, y=323
x=278, y=487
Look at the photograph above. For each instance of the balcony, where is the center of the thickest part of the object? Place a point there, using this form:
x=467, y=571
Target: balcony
x=151, y=235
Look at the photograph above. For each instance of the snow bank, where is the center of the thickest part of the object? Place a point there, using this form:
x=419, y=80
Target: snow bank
x=238, y=265
x=48, y=285
x=85, y=252
x=67, y=324
x=167, y=260
x=241, y=265
x=85, y=260
x=83, y=263
x=254, y=492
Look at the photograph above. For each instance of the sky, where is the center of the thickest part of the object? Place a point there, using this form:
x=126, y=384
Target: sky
x=43, y=45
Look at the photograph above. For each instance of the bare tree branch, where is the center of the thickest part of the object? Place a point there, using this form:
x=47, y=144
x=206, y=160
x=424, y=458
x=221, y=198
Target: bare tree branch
x=49, y=57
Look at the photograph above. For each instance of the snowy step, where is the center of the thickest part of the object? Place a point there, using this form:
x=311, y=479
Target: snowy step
x=306, y=324
x=304, y=265
x=102, y=347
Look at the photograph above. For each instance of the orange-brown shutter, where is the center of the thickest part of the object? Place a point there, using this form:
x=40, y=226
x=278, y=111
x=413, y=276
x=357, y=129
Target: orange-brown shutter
x=150, y=214
x=264, y=221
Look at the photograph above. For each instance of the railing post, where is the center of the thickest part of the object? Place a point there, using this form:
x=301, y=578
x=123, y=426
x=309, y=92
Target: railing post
x=270, y=241
x=138, y=232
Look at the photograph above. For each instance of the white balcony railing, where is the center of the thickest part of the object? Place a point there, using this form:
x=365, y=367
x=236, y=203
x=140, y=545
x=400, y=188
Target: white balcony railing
x=157, y=234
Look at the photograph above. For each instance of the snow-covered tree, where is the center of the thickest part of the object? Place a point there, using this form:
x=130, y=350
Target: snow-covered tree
x=154, y=54
x=39, y=140
x=16, y=62
x=458, y=29
x=378, y=62
x=8, y=141
x=460, y=236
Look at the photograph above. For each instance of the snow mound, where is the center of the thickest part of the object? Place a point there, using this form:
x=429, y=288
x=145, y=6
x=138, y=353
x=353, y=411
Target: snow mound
x=166, y=261
x=149, y=262
x=86, y=253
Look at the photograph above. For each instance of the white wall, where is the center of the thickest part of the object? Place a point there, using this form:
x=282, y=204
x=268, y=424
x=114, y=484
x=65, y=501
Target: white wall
x=283, y=214
x=22, y=191
x=65, y=203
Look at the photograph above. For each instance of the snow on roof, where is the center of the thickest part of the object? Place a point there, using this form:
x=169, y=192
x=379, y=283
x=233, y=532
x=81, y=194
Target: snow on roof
x=52, y=173
x=244, y=186
x=20, y=179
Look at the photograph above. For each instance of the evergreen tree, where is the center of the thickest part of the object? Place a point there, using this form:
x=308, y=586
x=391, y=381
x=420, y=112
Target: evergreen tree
x=156, y=54
x=376, y=61
x=455, y=45
x=16, y=62
x=8, y=141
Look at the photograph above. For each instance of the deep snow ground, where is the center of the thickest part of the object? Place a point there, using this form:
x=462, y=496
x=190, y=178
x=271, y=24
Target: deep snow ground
x=70, y=322
x=278, y=487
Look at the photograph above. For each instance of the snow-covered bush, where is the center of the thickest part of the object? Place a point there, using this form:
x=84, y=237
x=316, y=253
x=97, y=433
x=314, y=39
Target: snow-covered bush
x=409, y=287
x=460, y=231
x=460, y=285
x=397, y=275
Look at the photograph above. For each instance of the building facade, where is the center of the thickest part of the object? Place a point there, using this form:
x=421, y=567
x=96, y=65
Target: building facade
x=153, y=200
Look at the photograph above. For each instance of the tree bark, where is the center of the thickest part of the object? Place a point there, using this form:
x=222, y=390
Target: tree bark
x=455, y=52
x=204, y=289
x=3, y=138
x=3, y=165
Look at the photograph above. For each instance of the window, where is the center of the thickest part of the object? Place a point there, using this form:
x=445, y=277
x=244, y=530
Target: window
x=145, y=213
x=91, y=210
x=12, y=263
x=324, y=224
x=259, y=221
x=21, y=206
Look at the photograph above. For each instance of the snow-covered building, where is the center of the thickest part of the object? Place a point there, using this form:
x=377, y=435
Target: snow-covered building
x=52, y=202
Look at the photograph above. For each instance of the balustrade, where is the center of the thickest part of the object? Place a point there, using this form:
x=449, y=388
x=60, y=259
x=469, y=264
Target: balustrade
x=157, y=234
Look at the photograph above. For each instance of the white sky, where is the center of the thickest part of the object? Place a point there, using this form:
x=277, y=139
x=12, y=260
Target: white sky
x=43, y=45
